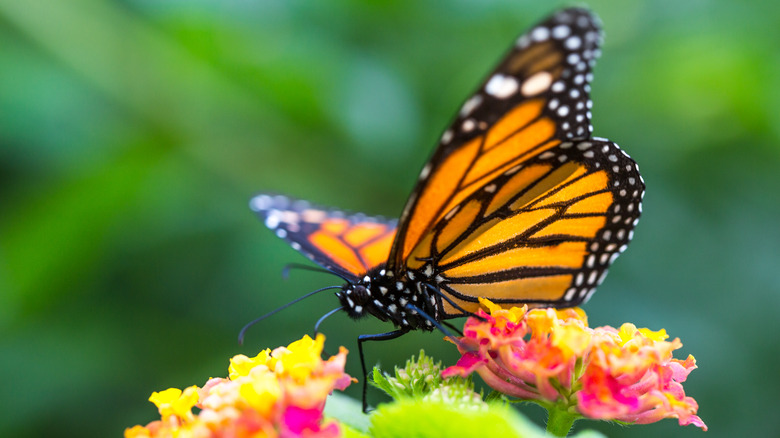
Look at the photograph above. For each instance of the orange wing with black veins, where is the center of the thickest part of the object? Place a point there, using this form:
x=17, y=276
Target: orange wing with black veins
x=348, y=244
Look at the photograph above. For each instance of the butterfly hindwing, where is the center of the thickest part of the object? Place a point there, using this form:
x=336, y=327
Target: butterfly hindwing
x=535, y=99
x=348, y=244
x=542, y=233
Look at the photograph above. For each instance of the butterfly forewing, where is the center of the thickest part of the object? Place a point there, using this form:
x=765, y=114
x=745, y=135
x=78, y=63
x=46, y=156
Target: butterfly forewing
x=348, y=244
x=518, y=204
x=536, y=98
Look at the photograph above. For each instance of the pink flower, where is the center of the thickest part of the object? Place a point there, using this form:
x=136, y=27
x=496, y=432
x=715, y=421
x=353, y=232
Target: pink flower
x=553, y=357
x=297, y=422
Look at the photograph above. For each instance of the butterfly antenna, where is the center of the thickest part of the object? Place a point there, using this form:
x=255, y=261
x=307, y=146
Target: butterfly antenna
x=323, y=318
x=290, y=266
x=278, y=309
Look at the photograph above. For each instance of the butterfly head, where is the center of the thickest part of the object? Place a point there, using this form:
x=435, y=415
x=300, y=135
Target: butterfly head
x=364, y=297
x=354, y=298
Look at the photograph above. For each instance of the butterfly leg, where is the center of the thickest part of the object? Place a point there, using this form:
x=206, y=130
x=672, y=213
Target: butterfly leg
x=377, y=337
x=465, y=312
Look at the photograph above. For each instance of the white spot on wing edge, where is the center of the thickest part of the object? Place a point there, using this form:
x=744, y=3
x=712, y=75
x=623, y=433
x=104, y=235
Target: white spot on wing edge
x=523, y=41
x=468, y=125
x=272, y=221
x=447, y=136
x=536, y=84
x=501, y=86
x=540, y=33
x=561, y=31
x=573, y=42
x=313, y=216
x=260, y=202
x=425, y=171
x=470, y=105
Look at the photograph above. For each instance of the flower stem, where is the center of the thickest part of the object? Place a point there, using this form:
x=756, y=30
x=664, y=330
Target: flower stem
x=559, y=422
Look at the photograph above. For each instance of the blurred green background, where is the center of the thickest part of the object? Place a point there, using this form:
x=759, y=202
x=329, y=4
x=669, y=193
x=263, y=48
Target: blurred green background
x=133, y=133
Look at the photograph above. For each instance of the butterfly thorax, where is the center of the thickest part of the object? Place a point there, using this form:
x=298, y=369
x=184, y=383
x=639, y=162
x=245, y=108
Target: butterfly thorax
x=391, y=297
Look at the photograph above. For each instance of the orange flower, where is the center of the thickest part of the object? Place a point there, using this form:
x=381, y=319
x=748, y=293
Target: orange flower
x=553, y=357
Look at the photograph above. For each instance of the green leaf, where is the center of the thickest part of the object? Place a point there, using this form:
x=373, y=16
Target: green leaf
x=348, y=412
x=409, y=418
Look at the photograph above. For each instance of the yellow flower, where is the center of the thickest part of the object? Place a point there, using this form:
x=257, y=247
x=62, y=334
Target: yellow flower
x=173, y=401
x=572, y=340
x=137, y=431
x=300, y=358
x=240, y=365
x=279, y=393
x=261, y=390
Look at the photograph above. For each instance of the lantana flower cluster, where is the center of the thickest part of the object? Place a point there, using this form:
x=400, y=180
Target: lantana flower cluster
x=552, y=357
x=279, y=393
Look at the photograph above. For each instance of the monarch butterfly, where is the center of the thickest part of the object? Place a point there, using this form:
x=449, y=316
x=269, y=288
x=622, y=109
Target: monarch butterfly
x=518, y=204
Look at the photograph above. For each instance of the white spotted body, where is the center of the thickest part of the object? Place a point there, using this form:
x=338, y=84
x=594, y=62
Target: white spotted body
x=378, y=295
